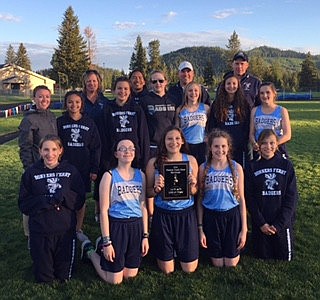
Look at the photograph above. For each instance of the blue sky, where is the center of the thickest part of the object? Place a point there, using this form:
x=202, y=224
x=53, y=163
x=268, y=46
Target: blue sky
x=284, y=24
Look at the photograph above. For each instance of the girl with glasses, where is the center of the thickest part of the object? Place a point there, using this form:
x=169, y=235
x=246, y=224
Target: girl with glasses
x=124, y=218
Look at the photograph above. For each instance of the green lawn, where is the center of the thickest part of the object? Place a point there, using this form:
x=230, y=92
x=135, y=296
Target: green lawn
x=252, y=279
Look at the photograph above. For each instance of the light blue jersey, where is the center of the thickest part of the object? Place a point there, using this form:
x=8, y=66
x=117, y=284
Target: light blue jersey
x=268, y=121
x=218, y=190
x=125, y=196
x=193, y=124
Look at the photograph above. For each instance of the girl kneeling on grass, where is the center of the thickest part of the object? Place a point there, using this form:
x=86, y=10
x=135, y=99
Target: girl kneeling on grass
x=221, y=205
x=271, y=193
x=123, y=218
x=50, y=194
x=174, y=225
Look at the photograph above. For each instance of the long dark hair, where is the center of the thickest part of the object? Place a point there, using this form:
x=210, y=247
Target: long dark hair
x=221, y=104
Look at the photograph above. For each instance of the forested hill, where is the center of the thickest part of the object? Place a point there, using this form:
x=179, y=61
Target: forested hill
x=201, y=57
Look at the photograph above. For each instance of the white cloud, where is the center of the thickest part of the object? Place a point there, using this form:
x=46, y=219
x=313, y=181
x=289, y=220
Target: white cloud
x=169, y=16
x=226, y=13
x=125, y=25
x=9, y=18
x=222, y=14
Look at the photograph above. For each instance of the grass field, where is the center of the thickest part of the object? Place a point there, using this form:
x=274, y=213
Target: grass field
x=252, y=279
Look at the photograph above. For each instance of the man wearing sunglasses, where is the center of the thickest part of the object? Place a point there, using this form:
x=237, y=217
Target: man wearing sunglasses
x=186, y=75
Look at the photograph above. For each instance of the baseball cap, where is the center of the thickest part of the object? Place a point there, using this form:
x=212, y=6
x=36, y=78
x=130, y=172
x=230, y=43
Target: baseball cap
x=185, y=65
x=241, y=55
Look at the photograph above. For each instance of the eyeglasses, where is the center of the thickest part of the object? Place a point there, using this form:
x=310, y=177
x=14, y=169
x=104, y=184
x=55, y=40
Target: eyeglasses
x=125, y=149
x=157, y=80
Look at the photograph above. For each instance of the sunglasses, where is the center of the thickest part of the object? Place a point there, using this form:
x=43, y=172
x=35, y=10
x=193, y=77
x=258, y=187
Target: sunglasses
x=157, y=80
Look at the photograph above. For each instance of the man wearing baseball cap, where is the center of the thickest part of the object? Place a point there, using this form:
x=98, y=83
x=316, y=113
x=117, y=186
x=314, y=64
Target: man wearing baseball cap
x=186, y=75
x=249, y=83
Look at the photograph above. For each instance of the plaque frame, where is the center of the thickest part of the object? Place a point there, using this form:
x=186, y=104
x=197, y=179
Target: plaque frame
x=176, y=185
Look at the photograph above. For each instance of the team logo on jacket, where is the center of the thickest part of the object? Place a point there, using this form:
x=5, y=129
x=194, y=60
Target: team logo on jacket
x=271, y=184
x=246, y=86
x=123, y=121
x=53, y=185
x=75, y=134
x=270, y=181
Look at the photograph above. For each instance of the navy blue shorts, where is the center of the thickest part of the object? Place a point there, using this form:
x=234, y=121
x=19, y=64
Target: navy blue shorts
x=277, y=246
x=126, y=236
x=53, y=255
x=222, y=229
x=174, y=232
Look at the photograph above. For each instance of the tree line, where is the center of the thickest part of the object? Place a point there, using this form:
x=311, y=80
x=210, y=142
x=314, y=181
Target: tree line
x=75, y=53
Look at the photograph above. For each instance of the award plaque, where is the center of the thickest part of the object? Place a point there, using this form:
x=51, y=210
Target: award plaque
x=176, y=185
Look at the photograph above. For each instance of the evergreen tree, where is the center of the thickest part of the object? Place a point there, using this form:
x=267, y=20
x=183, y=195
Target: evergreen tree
x=11, y=56
x=133, y=61
x=308, y=77
x=22, y=58
x=275, y=74
x=155, y=59
x=139, y=57
x=290, y=81
x=233, y=47
x=258, y=66
x=70, y=60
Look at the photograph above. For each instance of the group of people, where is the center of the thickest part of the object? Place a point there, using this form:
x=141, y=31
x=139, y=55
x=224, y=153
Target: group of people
x=237, y=161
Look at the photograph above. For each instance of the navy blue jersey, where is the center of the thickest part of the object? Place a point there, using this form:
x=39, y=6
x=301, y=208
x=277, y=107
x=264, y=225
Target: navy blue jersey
x=176, y=95
x=160, y=112
x=81, y=144
x=124, y=122
x=51, y=197
x=271, y=192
